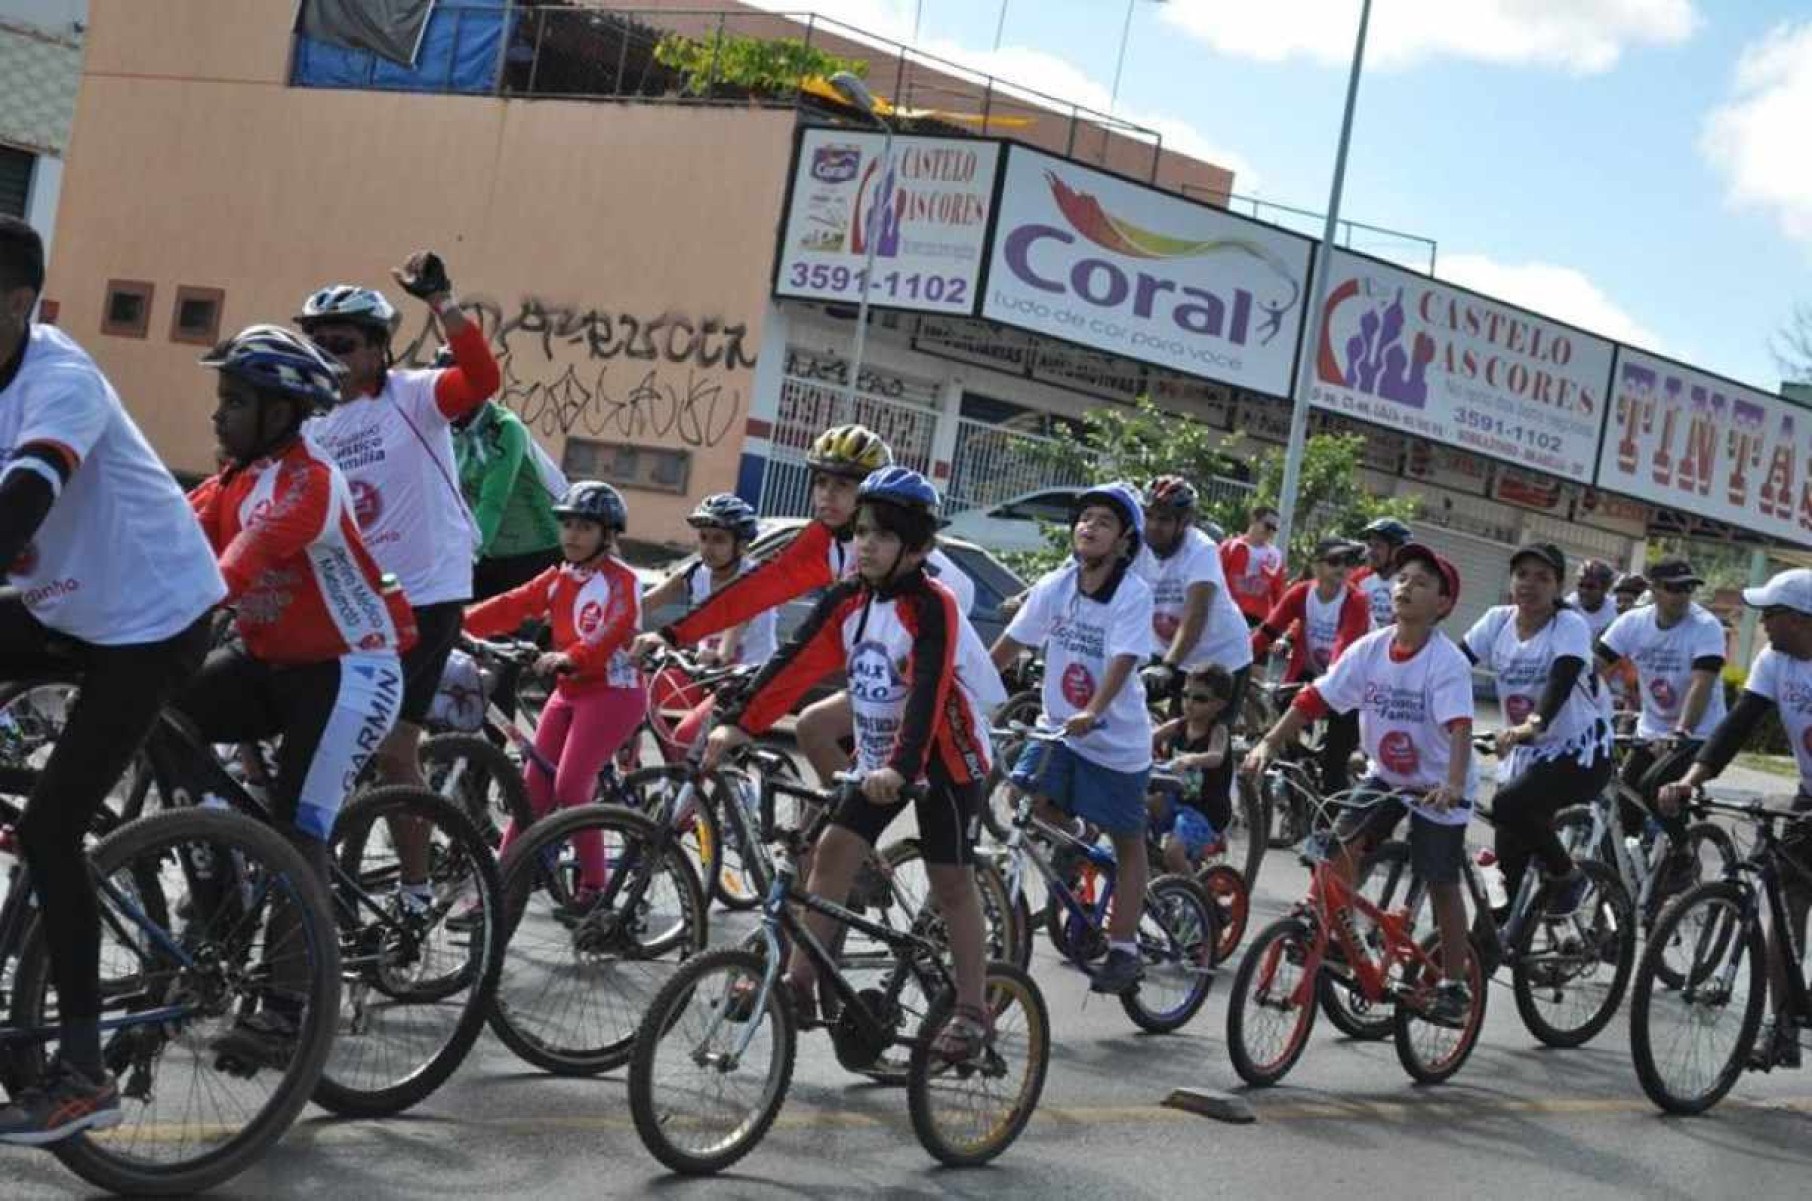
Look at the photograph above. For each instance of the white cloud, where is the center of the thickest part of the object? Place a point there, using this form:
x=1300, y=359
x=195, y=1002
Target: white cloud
x=1555, y=291
x=1582, y=36
x=1757, y=138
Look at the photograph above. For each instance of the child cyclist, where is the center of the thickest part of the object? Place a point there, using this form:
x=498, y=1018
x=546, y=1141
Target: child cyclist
x=913, y=664
x=593, y=601
x=1413, y=689
x=1093, y=618
x=1198, y=745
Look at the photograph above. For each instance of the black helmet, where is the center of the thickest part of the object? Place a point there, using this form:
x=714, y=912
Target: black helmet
x=725, y=511
x=1389, y=529
x=596, y=501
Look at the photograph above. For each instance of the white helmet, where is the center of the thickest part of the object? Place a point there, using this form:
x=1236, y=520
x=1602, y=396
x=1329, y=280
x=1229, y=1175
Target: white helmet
x=351, y=304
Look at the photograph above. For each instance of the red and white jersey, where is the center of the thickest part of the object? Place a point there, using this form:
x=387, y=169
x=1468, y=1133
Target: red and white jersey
x=396, y=450
x=296, y=568
x=118, y=559
x=1255, y=575
x=595, y=610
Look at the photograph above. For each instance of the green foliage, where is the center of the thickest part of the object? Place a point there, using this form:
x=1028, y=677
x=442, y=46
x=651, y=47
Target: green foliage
x=1329, y=498
x=770, y=66
x=1770, y=738
x=1723, y=565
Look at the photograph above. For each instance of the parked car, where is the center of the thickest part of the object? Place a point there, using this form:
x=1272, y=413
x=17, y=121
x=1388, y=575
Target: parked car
x=1018, y=524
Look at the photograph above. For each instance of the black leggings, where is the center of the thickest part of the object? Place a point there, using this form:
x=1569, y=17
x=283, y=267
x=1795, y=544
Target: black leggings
x=1338, y=742
x=1524, y=812
x=1646, y=772
x=122, y=689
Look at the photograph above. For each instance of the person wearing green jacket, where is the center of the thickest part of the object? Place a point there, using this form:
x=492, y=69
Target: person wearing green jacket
x=501, y=477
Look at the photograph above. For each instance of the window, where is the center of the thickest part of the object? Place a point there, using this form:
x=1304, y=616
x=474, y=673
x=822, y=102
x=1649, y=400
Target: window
x=128, y=309
x=15, y=180
x=1052, y=506
x=648, y=468
x=196, y=316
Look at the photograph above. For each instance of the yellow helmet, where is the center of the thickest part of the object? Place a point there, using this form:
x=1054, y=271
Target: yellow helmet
x=849, y=450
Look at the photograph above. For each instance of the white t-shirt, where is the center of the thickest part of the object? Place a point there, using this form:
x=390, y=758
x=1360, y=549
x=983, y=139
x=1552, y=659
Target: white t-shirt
x=1377, y=595
x=1579, y=730
x=1597, y=622
x=1225, y=638
x=1788, y=683
x=396, y=450
x=120, y=558
x=1081, y=637
x=1663, y=660
x=1404, y=709
x=759, y=638
x=1321, y=626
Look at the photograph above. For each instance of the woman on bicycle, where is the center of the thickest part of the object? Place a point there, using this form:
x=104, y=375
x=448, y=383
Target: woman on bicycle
x=1555, y=747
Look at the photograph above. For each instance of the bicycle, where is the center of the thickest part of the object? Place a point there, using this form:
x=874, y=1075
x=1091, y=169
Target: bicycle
x=1224, y=883
x=1179, y=925
x=1276, y=989
x=723, y=1022
x=170, y=987
x=1706, y=1007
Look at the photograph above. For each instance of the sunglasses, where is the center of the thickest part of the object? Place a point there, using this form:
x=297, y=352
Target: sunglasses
x=1779, y=611
x=1676, y=589
x=338, y=344
x=1270, y=525
x=1200, y=698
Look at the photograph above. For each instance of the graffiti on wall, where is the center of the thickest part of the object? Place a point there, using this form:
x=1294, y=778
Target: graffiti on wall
x=671, y=377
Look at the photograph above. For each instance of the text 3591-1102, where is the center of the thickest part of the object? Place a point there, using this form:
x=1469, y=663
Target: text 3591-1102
x=893, y=285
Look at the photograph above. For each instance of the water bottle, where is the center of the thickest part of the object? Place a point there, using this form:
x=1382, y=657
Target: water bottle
x=1493, y=877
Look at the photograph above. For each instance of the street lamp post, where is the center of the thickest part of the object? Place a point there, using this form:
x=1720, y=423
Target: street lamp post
x=856, y=92
x=1317, y=291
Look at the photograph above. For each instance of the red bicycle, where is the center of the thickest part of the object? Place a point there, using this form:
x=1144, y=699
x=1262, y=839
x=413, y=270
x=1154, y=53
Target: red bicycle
x=1374, y=952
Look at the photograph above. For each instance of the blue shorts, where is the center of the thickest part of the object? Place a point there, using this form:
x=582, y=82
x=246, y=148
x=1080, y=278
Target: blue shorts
x=1190, y=826
x=1112, y=800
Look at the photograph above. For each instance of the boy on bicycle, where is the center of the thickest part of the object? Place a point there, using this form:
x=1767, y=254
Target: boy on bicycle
x=1413, y=690
x=1093, y=617
x=914, y=664
x=1198, y=745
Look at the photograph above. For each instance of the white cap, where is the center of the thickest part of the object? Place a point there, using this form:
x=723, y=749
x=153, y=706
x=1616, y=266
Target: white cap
x=1788, y=590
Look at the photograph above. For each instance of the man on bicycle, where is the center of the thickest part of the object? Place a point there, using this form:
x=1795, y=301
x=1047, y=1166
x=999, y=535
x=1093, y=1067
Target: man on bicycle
x=1591, y=596
x=1093, y=618
x=914, y=663
x=113, y=579
x=1194, y=620
x=1382, y=538
x=1253, y=567
x=1780, y=679
x=1413, y=690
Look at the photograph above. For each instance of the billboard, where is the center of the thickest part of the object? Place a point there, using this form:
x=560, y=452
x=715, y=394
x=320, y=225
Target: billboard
x=1126, y=269
x=924, y=211
x=1415, y=355
x=1693, y=442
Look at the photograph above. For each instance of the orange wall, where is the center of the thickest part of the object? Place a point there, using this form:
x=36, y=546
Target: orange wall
x=228, y=179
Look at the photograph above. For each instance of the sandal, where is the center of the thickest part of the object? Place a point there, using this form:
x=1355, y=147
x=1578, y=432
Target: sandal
x=964, y=1037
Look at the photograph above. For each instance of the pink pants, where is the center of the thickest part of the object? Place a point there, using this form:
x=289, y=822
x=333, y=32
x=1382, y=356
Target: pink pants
x=579, y=733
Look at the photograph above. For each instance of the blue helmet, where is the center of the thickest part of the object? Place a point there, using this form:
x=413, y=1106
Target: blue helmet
x=1389, y=529
x=1123, y=499
x=726, y=511
x=274, y=359
x=596, y=501
x=900, y=486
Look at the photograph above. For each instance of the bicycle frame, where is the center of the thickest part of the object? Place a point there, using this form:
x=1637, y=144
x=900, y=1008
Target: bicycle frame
x=1328, y=894
x=1765, y=865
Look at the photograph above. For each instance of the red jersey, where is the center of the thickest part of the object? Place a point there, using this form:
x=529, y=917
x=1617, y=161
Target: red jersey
x=1255, y=575
x=1325, y=629
x=295, y=563
x=595, y=611
x=803, y=565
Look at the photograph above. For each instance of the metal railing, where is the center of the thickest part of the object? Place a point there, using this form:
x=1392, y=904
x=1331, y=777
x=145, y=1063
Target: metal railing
x=993, y=463
x=1405, y=249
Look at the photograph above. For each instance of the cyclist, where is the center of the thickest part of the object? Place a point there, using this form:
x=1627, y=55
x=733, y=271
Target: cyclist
x=1383, y=538
x=1780, y=679
x=1194, y=620
x=1590, y=597
x=1555, y=747
x=511, y=492
x=320, y=628
x=1197, y=744
x=725, y=525
x=390, y=434
x=1413, y=690
x=913, y=662
x=1329, y=615
x=1253, y=567
x=1093, y=618
x=111, y=571
x=1677, y=649
x=594, y=603
x=1627, y=593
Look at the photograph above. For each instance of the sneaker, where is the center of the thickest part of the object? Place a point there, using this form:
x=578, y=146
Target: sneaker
x=1776, y=1046
x=1118, y=974
x=263, y=1040
x=411, y=904
x=1452, y=1004
x=1567, y=893
x=67, y=1102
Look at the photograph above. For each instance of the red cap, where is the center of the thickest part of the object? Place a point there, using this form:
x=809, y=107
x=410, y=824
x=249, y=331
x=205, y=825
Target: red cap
x=1418, y=553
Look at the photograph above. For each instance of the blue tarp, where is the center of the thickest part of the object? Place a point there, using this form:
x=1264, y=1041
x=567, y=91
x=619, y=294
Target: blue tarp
x=460, y=52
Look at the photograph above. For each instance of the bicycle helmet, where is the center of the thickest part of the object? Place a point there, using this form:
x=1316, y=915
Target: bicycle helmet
x=1122, y=499
x=1596, y=571
x=1634, y=583
x=596, y=501
x=351, y=304
x=850, y=451
x=900, y=486
x=1387, y=528
x=726, y=511
x=273, y=359
x=1170, y=493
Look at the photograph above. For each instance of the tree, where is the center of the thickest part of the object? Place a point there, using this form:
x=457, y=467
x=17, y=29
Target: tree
x=761, y=66
x=1792, y=346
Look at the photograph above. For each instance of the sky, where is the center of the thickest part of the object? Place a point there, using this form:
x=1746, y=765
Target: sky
x=1637, y=167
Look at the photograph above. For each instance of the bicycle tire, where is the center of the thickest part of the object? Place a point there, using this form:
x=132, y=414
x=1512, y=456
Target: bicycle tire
x=1424, y=1068
x=1246, y=839
x=1643, y=1007
x=476, y=775
x=1387, y=880
x=1613, y=924
x=110, y=1162
x=1008, y=989
x=1284, y=943
x=661, y=1019
x=381, y=956
x=1189, y=923
x=1005, y=938
x=1023, y=708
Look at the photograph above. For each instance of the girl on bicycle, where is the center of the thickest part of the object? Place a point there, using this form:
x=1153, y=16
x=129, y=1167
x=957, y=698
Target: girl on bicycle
x=594, y=603
x=1197, y=745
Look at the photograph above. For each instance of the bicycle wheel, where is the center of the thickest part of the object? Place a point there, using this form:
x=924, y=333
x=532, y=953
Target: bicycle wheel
x=1245, y=838
x=1570, y=971
x=1386, y=880
x=1005, y=939
x=1232, y=904
x=478, y=777
x=1691, y=1039
x=703, y=1086
x=1273, y=1005
x=188, y=1123
x=648, y=791
x=587, y=954
x=1178, y=931
x=1286, y=813
x=968, y=1113
x=32, y=717
x=1429, y=1051
x=419, y=974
